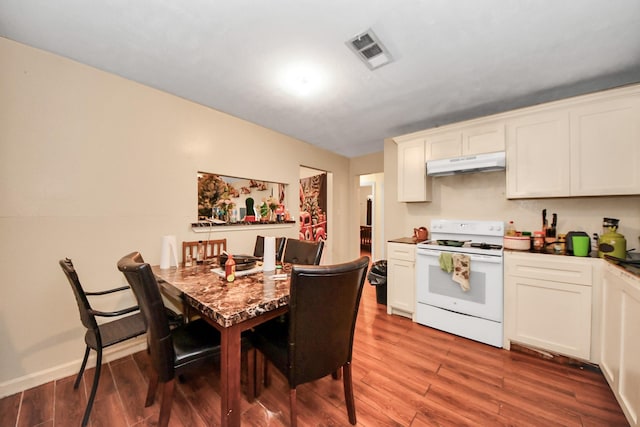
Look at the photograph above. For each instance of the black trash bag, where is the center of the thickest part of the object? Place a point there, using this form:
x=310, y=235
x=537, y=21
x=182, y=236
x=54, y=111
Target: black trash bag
x=378, y=273
x=378, y=278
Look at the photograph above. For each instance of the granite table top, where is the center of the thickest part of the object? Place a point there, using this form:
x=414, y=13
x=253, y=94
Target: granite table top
x=226, y=303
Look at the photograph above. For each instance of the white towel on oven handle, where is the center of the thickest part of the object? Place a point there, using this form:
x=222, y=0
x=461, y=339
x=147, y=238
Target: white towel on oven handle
x=461, y=270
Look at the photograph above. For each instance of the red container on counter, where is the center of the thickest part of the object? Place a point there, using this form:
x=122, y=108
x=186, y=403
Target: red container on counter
x=537, y=241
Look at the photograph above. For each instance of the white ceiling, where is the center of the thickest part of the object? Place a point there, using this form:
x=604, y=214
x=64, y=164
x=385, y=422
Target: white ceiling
x=453, y=59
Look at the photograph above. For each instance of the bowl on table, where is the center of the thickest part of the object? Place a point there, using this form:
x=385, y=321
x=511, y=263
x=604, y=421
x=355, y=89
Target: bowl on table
x=243, y=262
x=518, y=243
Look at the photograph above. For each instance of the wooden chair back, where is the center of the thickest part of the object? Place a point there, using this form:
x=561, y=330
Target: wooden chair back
x=212, y=249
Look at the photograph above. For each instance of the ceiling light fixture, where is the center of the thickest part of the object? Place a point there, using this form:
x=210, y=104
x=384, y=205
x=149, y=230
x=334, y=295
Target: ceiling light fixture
x=303, y=80
x=369, y=49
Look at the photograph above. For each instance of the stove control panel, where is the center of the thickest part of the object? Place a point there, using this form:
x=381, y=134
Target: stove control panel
x=476, y=228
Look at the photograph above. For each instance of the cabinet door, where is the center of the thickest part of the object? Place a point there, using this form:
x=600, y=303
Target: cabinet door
x=620, y=347
x=401, y=279
x=551, y=316
x=444, y=145
x=401, y=285
x=487, y=138
x=605, y=148
x=412, y=172
x=611, y=325
x=629, y=385
x=538, y=156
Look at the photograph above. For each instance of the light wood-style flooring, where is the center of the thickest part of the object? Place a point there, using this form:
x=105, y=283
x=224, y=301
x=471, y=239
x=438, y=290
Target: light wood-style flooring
x=405, y=374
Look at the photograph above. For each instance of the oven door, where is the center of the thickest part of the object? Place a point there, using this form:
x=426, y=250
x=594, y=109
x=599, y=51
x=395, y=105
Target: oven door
x=437, y=288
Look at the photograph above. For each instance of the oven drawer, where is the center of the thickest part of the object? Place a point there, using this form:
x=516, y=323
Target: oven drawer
x=401, y=251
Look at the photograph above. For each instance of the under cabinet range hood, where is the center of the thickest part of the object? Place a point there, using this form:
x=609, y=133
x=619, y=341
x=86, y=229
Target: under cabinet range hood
x=467, y=164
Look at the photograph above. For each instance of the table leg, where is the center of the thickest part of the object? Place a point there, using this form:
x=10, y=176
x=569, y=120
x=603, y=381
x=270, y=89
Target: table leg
x=230, y=377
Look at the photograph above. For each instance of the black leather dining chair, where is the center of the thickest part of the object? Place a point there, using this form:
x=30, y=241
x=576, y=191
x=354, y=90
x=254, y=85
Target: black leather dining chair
x=317, y=338
x=173, y=351
x=258, y=250
x=100, y=336
x=303, y=252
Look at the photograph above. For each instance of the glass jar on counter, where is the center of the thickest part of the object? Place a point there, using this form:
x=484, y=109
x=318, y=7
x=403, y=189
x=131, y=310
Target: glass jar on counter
x=559, y=247
x=537, y=241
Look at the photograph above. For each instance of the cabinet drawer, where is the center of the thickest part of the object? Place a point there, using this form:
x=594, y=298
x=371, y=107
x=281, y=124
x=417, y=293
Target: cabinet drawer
x=401, y=251
x=550, y=267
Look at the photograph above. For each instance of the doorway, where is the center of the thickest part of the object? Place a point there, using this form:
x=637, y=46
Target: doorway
x=370, y=215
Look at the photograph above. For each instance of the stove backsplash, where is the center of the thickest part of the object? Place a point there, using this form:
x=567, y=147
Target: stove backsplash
x=482, y=197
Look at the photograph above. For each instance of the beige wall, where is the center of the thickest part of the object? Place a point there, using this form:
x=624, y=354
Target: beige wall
x=481, y=196
x=94, y=166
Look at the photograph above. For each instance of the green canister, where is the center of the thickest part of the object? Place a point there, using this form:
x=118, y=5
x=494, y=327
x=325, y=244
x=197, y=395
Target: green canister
x=611, y=242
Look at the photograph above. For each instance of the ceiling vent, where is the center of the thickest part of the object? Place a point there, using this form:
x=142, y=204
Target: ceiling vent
x=369, y=49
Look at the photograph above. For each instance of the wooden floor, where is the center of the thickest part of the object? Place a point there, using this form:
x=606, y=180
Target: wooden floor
x=404, y=375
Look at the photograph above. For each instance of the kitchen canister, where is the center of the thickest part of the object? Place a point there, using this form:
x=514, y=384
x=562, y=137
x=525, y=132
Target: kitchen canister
x=537, y=241
x=581, y=245
x=518, y=243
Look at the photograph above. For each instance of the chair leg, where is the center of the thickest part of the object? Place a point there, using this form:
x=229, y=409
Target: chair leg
x=348, y=393
x=337, y=374
x=251, y=375
x=94, y=387
x=265, y=373
x=84, y=365
x=167, y=401
x=186, y=312
x=259, y=372
x=151, y=390
x=293, y=413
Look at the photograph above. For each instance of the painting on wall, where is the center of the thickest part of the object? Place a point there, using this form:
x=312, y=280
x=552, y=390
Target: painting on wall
x=225, y=199
x=313, y=207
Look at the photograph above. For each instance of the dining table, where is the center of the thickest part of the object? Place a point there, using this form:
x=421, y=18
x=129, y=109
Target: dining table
x=254, y=297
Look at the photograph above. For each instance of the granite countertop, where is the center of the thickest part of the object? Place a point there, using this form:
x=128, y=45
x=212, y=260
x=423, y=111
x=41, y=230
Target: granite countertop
x=631, y=268
x=225, y=303
x=407, y=240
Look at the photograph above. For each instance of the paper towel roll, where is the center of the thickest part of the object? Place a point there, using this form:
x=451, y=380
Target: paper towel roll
x=269, y=254
x=168, y=255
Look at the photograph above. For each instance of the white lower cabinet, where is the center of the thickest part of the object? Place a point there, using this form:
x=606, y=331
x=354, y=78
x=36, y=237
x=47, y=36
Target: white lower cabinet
x=549, y=303
x=401, y=279
x=620, y=350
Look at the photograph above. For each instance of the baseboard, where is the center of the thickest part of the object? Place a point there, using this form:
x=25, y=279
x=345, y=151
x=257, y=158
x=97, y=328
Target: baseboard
x=35, y=379
x=554, y=357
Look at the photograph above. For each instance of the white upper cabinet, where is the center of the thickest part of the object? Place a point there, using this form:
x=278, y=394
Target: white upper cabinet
x=583, y=146
x=605, y=148
x=586, y=146
x=538, y=155
x=466, y=141
x=487, y=138
x=412, y=172
x=444, y=145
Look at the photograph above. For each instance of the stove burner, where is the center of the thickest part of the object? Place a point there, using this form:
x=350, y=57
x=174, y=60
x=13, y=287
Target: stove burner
x=485, y=246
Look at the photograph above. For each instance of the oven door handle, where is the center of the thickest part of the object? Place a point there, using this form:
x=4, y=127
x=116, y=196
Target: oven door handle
x=473, y=257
